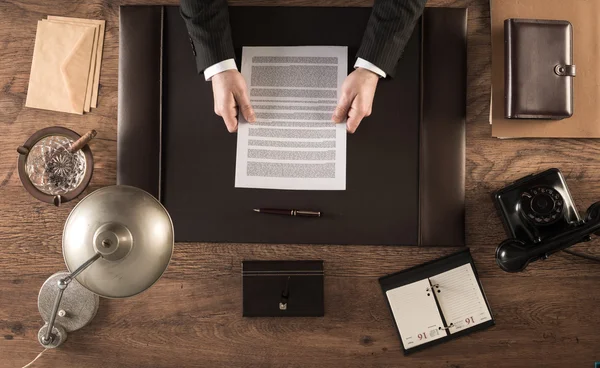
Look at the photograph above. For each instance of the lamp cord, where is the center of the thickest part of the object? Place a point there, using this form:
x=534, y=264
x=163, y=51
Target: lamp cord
x=582, y=255
x=36, y=358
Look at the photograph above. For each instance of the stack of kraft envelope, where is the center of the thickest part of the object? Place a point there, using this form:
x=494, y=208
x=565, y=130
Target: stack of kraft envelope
x=65, y=71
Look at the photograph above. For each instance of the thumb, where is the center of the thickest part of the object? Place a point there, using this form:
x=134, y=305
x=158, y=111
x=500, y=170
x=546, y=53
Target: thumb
x=245, y=107
x=341, y=110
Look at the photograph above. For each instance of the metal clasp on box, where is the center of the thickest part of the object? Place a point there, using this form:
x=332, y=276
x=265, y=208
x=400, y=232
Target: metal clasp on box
x=285, y=295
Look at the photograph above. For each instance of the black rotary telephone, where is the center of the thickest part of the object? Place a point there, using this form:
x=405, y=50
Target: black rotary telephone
x=540, y=218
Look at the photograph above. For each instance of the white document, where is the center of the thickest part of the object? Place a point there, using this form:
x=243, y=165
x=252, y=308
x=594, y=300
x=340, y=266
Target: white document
x=293, y=144
x=460, y=298
x=416, y=313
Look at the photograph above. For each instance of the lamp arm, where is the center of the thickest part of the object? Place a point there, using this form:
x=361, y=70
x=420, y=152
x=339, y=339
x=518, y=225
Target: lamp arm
x=62, y=285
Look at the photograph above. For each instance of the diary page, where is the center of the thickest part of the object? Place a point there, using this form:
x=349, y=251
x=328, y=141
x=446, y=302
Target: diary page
x=460, y=298
x=416, y=313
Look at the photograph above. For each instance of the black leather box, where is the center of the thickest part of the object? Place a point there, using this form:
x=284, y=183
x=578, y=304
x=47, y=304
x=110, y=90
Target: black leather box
x=282, y=289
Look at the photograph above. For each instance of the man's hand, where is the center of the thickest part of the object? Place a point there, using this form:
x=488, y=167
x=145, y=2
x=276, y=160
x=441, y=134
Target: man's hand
x=231, y=94
x=356, y=98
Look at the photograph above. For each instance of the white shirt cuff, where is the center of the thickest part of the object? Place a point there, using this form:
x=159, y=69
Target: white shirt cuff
x=218, y=68
x=362, y=63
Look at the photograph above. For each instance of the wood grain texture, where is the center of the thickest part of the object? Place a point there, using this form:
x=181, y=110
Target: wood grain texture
x=546, y=316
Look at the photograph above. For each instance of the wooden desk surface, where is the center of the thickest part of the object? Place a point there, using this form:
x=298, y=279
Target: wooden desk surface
x=547, y=316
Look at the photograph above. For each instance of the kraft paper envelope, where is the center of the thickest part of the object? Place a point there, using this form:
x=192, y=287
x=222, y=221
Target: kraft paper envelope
x=90, y=83
x=60, y=67
x=98, y=55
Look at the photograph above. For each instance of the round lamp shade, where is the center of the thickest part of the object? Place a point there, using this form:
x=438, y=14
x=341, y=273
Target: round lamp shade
x=132, y=231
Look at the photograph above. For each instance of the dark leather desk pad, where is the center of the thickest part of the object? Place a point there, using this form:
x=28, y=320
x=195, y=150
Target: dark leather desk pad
x=405, y=164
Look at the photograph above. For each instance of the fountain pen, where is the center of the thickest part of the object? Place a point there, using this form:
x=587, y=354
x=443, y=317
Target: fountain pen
x=277, y=211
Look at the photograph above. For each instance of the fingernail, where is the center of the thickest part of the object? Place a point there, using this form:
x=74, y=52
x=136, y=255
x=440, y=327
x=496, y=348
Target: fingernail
x=252, y=117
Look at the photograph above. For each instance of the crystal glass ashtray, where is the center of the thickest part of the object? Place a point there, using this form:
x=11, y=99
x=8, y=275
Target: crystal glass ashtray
x=52, y=169
x=56, y=164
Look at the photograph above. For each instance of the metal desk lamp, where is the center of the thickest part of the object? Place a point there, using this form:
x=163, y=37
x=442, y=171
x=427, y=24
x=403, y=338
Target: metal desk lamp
x=123, y=237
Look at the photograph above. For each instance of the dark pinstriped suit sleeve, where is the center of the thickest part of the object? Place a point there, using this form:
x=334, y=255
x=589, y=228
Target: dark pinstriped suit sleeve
x=388, y=30
x=207, y=22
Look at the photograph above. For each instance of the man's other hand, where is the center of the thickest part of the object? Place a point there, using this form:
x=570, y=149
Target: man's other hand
x=356, y=99
x=231, y=97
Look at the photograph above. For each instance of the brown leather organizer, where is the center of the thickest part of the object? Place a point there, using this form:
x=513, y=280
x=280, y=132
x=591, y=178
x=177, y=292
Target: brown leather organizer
x=405, y=164
x=538, y=69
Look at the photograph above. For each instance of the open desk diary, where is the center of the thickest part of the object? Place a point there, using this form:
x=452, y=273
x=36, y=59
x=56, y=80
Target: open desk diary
x=437, y=301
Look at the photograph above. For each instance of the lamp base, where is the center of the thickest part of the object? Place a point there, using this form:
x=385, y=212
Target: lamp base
x=77, y=307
